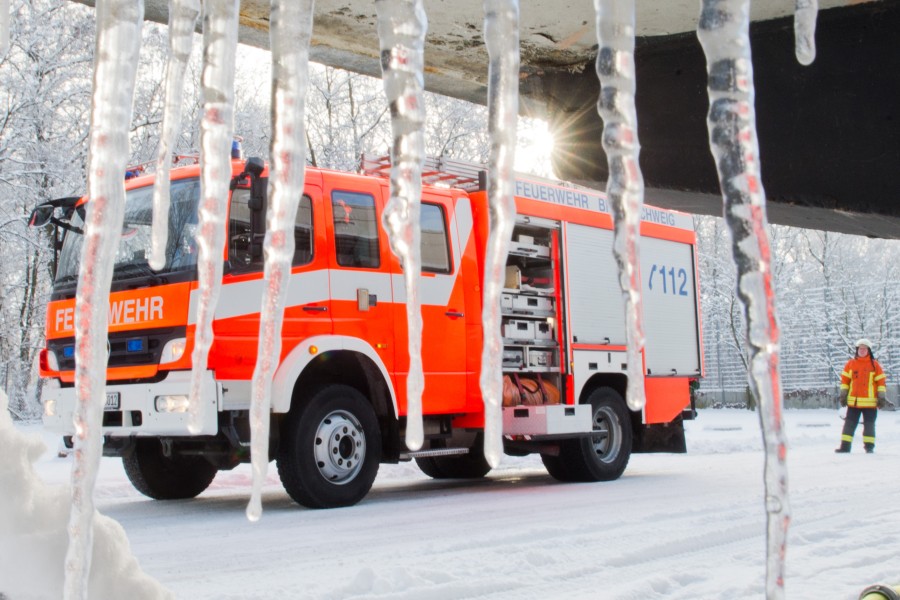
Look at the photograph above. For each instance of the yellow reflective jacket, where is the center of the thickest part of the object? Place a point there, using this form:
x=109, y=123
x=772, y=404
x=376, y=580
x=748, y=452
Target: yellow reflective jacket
x=864, y=380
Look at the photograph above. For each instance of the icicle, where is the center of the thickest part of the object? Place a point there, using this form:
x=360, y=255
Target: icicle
x=290, y=28
x=724, y=35
x=625, y=187
x=401, y=32
x=501, y=36
x=220, y=23
x=117, y=49
x=182, y=18
x=805, y=12
x=4, y=26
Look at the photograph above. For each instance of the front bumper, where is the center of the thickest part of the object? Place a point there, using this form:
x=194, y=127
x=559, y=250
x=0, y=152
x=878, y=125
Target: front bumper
x=137, y=414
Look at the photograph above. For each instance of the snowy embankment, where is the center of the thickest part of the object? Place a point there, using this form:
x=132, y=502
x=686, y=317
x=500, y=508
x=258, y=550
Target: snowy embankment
x=674, y=526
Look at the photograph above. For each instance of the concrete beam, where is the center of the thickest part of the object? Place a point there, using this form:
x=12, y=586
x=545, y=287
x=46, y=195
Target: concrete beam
x=828, y=133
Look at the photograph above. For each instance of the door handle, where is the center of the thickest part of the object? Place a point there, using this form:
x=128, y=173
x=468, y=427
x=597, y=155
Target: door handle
x=454, y=314
x=315, y=308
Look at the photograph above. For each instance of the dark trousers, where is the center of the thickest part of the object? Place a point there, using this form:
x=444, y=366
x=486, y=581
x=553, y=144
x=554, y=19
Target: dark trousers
x=852, y=420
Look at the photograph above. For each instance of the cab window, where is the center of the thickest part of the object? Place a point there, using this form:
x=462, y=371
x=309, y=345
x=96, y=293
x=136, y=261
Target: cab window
x=435, y=248
x=355, y=230
x=245, y=249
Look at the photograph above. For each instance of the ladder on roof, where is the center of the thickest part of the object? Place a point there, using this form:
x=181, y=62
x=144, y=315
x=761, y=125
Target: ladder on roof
x=439, y=171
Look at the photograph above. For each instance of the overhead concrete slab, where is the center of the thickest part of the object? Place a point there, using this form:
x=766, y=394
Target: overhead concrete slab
x=828, y=133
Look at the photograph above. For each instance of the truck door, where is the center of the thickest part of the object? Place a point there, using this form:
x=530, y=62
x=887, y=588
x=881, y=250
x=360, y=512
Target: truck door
x=236, y=327
x=360, y=259
x=442, y=296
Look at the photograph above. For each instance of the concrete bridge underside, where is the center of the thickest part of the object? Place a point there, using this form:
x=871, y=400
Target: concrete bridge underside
x=829, y=133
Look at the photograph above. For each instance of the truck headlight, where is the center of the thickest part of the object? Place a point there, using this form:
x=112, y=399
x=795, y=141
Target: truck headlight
x=173, y=350
x=52, y=361
x=172, y=404
x=49, y=408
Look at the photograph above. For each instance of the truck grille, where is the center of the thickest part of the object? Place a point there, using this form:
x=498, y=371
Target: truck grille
x=125, y=349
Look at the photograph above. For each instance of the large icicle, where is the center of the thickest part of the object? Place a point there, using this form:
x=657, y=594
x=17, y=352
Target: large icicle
x=220, y=22
x=724, y=34
x=501, y=36
x=182, y=18
x=4, y=26
x=290, y=28
x=401, y=32
x=805, y=13
x=625, y=186
x=117, y=49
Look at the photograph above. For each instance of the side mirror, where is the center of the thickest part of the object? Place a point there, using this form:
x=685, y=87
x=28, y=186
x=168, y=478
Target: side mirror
x=254, y=166
x=40, y=216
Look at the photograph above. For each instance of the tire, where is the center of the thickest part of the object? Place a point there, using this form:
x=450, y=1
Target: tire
x=466, y=466
x=601, y=457
x=330, y=449
x=556, y=467
x=162, y=477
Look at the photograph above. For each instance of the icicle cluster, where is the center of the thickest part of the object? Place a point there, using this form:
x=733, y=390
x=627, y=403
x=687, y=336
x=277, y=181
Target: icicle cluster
x=401, y=33
x=290, y=29
x=220, y=25
x=805, y=12
x=182, y=18
x=501, y=36
x=625, y=187
x=724, y=34
x=117, y=49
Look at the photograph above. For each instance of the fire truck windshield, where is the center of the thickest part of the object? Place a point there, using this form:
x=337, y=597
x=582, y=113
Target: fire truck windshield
x=134, y=246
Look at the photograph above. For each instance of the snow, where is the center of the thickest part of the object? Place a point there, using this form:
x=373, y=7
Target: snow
x=688, y=526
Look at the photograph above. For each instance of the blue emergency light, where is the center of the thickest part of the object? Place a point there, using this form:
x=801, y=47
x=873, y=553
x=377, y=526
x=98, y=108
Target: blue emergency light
x=134, y=345
x=69, y=351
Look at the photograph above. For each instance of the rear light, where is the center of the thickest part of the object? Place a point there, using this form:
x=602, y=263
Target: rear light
x=49, y=408
x=173, y=351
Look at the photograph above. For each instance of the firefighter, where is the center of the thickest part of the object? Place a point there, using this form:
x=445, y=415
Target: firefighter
x=863, y=393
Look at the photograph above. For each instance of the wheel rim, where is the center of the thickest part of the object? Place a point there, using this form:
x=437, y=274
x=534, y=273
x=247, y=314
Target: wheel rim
x=339, y=447
x=607, y=434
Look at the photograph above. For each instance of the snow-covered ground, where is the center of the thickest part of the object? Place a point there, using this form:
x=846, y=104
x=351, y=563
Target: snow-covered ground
x=674, y=526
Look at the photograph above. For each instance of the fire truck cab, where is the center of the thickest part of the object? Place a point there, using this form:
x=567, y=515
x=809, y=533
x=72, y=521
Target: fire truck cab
x=339, y=402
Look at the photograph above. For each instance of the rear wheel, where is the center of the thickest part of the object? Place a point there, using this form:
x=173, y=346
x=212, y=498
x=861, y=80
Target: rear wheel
x=163, y=477
x=604, y=456
x=466, y=466
x=330, y=449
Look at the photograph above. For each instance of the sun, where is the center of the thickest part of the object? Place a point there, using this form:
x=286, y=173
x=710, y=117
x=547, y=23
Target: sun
x=534, y=148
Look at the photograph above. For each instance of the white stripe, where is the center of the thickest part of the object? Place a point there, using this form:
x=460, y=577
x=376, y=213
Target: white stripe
x=245, y=297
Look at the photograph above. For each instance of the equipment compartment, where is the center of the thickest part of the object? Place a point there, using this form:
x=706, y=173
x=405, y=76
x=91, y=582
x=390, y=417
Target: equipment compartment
x=547, y=419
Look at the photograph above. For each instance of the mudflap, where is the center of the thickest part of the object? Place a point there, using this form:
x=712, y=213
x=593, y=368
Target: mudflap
x=662, y=437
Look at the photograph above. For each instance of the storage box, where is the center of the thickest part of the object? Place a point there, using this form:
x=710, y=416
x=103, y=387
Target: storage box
x=513, y=278
x=532, y=303
x=547, y=419
x=540, y=358
x=518, y=329
x=543, y=331
x=513, y=357
x=529, y=250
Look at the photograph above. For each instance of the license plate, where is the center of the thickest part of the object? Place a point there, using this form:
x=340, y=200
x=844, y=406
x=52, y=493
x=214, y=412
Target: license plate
x=112, y=401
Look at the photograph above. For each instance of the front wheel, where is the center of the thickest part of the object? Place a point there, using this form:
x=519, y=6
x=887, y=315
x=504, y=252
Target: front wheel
x=161, y=477
x=604, y=455
x=330, y=449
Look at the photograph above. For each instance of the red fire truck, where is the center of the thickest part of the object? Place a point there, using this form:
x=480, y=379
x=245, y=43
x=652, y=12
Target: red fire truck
x=339, y=395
